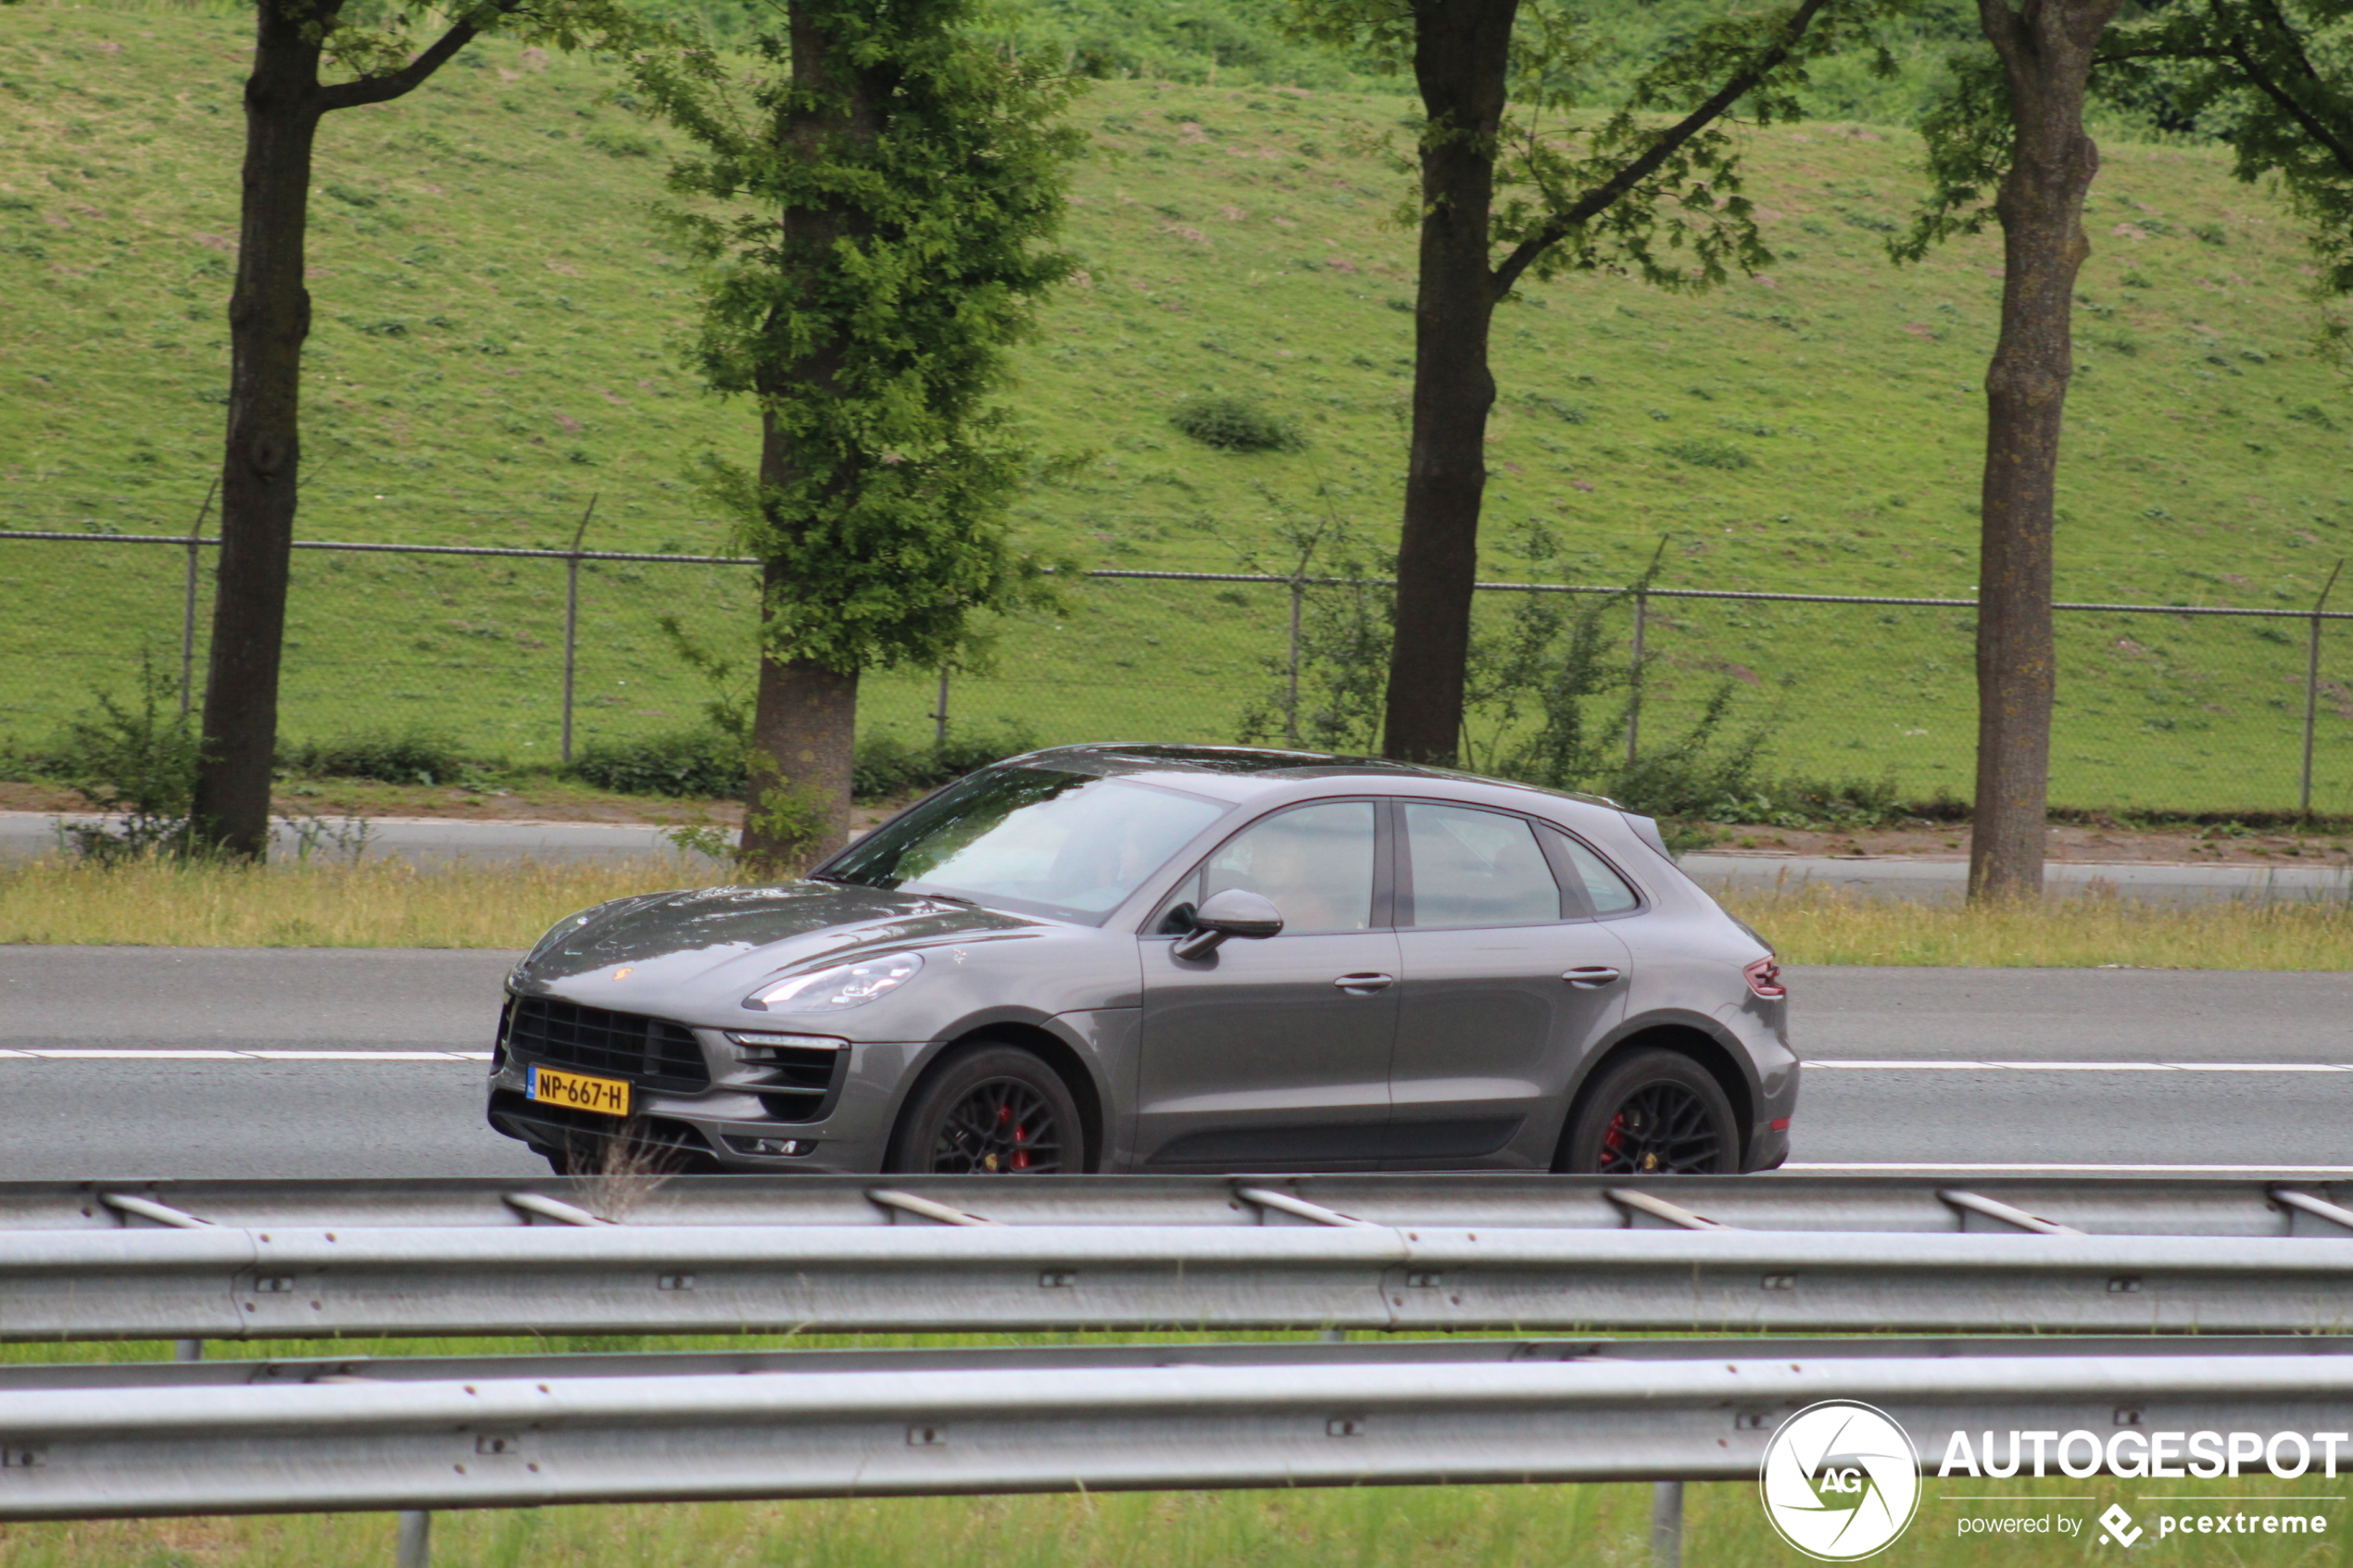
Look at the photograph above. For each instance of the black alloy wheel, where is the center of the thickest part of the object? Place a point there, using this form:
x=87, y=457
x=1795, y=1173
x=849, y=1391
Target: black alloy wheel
x=994, y=1111
x=1656, y=1113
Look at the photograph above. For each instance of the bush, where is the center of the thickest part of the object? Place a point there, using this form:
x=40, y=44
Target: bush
x=1704, y=454
x=888, y=767
x=386, y=755
x=700, y=762
x=1236, y=424
x=705, y=763
x=136, y=764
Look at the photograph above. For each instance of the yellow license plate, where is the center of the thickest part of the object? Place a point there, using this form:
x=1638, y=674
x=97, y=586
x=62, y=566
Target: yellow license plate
x=606, y=1097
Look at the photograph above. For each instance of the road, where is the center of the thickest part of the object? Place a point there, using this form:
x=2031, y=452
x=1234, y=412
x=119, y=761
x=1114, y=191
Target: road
x=440, y=840
x=173, y=1061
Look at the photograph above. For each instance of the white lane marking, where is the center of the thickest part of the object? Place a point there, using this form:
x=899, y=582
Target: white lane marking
x=1951, y=1066
x=2031, y=1167
x=123, y=1054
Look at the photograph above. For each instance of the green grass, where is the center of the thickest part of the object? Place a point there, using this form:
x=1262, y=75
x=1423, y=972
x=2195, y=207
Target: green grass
x=1603, y=1526
x=495, y=313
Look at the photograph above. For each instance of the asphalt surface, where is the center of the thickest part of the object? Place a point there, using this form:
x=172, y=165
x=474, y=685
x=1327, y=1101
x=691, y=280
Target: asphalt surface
x=154, y=1061
x=434, y=841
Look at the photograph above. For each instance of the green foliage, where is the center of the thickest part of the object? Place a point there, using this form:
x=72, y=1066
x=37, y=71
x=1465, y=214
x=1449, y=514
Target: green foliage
x=136, y=763
x=1237, y=424
x=704, y=764
x=2275, y=80
x=699, y=763
x=402, y=757
x=1347, y=622
x=1702, y=453
x=920, y=176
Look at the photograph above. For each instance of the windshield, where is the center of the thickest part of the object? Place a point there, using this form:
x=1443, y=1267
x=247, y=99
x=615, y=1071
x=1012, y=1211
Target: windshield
x=1066, y=844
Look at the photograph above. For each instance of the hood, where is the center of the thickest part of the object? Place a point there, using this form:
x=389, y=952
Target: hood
x=669, y=938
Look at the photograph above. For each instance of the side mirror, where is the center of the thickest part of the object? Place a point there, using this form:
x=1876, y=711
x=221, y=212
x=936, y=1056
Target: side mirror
x=1236, y=912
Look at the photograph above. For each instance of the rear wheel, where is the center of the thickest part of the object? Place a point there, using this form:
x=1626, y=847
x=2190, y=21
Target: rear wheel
x=1656, y=1113
x=996, y=1110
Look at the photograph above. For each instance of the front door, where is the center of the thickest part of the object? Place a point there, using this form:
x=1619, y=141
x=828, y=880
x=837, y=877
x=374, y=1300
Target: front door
x=1273, y=1054
x=1507, y=980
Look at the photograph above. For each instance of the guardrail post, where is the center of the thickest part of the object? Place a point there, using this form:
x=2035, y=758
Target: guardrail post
x=1666, y=1524
x=187, y=1349
x=571, y=620
x=188, y=608
x=2312, y=690
x=416, y=1539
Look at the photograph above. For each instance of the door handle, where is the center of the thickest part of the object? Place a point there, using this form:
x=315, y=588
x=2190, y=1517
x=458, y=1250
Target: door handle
x=1591, y=977
x=1364, y=985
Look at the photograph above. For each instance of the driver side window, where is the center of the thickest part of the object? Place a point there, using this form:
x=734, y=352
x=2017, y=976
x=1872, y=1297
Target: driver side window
x=1315, y=863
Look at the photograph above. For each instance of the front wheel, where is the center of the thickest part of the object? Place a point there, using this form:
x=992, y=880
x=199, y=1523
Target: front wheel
x=994, y=1111
x=1656, y=1113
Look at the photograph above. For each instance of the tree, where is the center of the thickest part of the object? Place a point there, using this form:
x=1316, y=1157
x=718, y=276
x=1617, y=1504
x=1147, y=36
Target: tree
x=873, y=197
x=2015, y=122
x=285, y=98
x=1622, y=193
x=2268, y=77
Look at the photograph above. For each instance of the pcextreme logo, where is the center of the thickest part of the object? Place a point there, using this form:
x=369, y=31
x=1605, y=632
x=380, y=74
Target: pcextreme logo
x=1840, y=1480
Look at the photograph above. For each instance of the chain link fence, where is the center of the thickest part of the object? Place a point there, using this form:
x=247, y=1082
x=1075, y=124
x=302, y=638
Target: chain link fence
x=536, y=653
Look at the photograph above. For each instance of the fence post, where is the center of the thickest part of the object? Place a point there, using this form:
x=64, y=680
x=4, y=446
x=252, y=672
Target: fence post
x=2313, y=688
x=940, y=712
x=1291, y=692
x=572, y=629
x=1666, y=1524
x=1634, y=692
x=416, y=1538
x=188, y=610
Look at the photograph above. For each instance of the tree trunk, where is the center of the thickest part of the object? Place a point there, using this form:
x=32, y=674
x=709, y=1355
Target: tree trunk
x=2046, y=54
x=268, y=319
x=805, y=714
x=1460, y=55
x=803, y=734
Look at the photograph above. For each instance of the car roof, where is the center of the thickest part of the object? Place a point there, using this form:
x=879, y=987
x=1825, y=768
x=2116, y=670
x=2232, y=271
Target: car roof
x=1238, y=772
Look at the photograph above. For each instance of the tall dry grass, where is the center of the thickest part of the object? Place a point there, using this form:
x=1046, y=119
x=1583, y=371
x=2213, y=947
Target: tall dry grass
x=380, y=903
x=1825, y=926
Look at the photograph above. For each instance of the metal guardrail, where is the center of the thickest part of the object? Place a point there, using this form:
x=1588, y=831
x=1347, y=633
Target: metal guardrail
x=1391, y=1254
x=2127, y=1205
x=86, y=1442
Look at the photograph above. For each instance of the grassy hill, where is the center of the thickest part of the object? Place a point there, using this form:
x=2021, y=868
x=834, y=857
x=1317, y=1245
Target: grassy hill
x=493, y=313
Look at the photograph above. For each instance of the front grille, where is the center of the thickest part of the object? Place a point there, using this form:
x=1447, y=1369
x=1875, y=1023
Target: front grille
x=649, y=1050
x=800, y=1081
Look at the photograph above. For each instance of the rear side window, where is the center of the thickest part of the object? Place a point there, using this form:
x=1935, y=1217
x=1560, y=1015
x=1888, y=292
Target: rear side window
x=1476, y=868
x=1590, y=882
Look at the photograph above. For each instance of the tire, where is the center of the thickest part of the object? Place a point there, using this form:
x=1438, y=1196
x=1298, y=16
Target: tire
x=991, y=1110
x=1656, y=1113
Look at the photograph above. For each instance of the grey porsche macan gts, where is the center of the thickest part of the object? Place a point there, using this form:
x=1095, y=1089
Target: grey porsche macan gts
x=1170, y=959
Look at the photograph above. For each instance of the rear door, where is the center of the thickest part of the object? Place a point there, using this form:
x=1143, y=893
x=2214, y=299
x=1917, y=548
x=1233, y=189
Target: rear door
x=1509, y=977
x=1274, y=1054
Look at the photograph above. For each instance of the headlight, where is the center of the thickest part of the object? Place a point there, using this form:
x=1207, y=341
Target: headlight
x=839, y=985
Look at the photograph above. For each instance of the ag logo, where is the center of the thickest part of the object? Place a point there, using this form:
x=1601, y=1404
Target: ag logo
x=1840, y=1480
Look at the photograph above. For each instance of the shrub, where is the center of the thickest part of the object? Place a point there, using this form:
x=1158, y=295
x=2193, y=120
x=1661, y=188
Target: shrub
x=700, y=762
x=887, y=767
x=1701, y=452
x=1236, y=424
x=387, y=756
x=706, y=763
x=137, y=764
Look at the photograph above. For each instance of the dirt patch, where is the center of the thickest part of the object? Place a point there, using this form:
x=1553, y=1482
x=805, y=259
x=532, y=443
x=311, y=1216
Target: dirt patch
x=2067, y=842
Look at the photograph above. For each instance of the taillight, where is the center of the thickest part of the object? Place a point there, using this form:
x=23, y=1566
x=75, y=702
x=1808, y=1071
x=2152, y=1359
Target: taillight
x=1764, y=977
